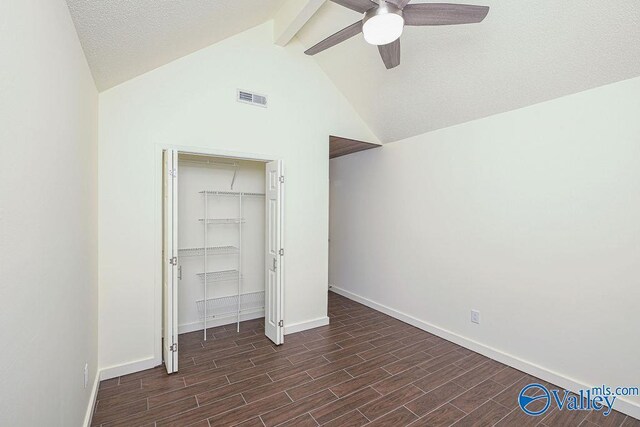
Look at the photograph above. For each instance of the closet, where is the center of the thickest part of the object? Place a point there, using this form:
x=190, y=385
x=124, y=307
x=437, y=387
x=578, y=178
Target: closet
x=222, y=246
x=220, y=243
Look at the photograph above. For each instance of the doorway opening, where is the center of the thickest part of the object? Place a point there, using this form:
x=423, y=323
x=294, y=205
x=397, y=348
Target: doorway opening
x=222, y=247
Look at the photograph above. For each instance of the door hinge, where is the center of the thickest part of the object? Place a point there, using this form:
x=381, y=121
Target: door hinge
x=281, y=179
x=281, y=252
x=174, y=347
x=173, y=261
x=275, y=264
x=173, y=173
x=281, y=323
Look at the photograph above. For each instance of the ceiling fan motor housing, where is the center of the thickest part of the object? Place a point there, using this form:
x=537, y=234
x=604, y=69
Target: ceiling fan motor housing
x=383, y=24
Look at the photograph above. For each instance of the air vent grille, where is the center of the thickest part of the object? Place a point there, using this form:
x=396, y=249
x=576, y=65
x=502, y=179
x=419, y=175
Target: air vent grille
x=252, y=98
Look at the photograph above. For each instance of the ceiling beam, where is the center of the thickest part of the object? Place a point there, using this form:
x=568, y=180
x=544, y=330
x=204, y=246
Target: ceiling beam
x=291, y=18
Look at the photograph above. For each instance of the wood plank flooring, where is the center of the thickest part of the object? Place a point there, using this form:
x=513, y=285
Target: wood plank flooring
x=365, y=368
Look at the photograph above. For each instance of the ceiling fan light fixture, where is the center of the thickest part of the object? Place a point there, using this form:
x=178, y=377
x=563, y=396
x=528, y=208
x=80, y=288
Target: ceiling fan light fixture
x=383, y=24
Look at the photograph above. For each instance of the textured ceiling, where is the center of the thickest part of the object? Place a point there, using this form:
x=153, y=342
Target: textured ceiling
x=524, y=52
x=125, y=38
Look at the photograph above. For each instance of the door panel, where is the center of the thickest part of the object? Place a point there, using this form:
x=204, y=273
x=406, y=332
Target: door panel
x=271, y=316
x=273, y=258
x=169, y=261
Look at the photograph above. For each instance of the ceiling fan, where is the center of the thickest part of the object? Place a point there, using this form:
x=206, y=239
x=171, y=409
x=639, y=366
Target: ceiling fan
x=384, y=21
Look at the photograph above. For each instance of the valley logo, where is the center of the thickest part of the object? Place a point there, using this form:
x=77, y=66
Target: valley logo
x=535, y=399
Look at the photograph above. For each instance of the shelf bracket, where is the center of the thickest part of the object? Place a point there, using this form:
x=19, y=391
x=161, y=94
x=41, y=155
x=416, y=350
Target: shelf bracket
x=235, y=173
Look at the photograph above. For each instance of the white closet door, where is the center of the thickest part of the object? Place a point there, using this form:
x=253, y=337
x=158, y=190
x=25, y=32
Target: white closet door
x=170, y=261
x=273, y=323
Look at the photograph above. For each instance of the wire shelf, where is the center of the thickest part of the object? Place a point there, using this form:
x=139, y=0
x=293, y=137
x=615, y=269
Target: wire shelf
x=223, y=220
x=220, y=276
x=228, y=306
x=212, y=250
x=231, y=193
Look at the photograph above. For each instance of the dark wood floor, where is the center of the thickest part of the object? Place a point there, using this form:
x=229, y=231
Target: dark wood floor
x=364, y=368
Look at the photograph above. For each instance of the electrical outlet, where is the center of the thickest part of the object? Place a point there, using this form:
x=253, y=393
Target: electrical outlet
x=475, y=316
x=86, y=375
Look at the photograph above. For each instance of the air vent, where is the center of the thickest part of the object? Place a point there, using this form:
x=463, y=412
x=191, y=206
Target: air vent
x=252, y=98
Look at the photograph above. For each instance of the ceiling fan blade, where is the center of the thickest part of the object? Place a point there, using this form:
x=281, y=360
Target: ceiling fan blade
x=339, y=37
x=443, y=14
x=400, y=4
x=390, y=54
x=358, y=5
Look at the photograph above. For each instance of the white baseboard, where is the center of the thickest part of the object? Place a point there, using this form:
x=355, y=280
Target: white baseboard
x=127, y=368
x=197, y=326
x=141, y=365
x=303, y=326
x=92, y=400
x=630, y=408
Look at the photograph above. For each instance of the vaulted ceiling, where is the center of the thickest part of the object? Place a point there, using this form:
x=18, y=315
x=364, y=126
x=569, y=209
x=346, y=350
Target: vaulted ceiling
x=523, y=53
x=125, y=38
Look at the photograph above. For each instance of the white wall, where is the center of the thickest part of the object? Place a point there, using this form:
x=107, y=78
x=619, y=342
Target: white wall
x=191, y=102
x=48, y=217
x=532, y=217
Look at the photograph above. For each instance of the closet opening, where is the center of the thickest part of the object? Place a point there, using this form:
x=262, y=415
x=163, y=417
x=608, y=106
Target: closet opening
x=222, y=248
